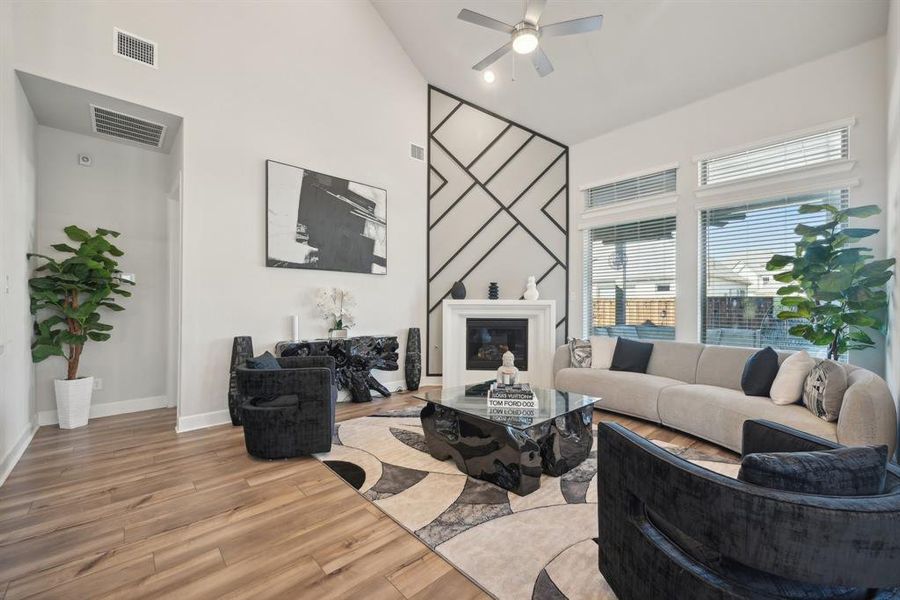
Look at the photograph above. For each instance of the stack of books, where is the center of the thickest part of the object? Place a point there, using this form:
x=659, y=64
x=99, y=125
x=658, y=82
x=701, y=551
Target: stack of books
x=515, y=396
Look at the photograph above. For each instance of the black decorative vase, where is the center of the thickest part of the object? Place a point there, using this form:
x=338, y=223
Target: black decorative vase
x=493, y=291
x=413, y=365
x=241, y=350
x=458, y=291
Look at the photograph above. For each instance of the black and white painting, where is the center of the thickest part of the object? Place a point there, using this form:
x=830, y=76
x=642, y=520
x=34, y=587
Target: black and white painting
x=318, y=221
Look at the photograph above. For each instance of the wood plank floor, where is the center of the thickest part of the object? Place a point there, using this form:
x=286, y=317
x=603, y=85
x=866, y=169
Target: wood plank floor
x=127, y=508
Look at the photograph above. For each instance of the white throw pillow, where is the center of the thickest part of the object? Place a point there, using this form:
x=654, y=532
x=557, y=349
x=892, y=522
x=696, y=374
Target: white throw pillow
x=602, y=350
x=788, y=385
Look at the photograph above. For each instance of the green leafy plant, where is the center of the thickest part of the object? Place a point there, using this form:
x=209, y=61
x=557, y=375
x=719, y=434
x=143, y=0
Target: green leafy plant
x=836, y=291
x=67, y=296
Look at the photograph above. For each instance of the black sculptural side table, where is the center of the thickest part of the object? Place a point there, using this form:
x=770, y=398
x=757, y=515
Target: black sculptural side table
x=508, y=447
x=354, y=359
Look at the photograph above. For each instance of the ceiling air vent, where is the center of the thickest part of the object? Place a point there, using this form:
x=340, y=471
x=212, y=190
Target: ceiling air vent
x=417, y=152
x=126, y=127
x=132, y=47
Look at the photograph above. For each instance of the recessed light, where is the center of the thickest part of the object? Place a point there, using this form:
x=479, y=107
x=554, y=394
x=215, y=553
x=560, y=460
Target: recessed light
x=489, y=76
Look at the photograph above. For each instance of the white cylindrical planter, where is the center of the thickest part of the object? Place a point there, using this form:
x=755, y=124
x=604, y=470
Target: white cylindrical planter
x=73, y=401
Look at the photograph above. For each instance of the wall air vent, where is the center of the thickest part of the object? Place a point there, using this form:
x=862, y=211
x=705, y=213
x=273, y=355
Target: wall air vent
x=125, y=127
x=132, y=47
x=417, y=152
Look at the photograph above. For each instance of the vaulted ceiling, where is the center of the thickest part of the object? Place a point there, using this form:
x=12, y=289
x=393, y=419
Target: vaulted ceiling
x=651, y=56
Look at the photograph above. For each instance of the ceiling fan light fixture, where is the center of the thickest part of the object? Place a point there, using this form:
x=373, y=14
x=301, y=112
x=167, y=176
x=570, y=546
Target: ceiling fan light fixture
x=525, y=39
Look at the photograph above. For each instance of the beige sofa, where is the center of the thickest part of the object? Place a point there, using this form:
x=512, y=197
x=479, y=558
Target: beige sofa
x=697, y=389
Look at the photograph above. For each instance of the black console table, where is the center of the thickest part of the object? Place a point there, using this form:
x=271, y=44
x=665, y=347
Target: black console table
x=354, y=358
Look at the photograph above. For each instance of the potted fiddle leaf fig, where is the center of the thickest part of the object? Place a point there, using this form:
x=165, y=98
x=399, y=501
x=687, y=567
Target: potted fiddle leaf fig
x=833, y=291
x=67, y=297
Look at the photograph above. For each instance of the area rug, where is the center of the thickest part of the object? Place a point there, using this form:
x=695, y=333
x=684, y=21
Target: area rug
x=539, y=546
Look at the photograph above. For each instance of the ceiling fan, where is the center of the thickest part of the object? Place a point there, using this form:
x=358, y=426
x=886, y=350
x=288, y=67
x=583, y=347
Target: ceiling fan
x=524, y=36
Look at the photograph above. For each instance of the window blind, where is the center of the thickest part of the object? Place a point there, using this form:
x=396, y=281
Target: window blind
x=773, y=158
x=629, y=282
x=662, y=182
x=738, y=301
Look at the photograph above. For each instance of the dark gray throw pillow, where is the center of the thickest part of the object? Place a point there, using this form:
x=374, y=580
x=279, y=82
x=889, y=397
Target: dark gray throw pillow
x=759, y=372
x=856, y=471
x=631, y=356
x=263, y=361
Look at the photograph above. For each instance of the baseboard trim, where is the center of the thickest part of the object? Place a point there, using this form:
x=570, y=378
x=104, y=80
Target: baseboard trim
x=203, y=420
x=223, y=417
x=108, y=409
x=15, y=453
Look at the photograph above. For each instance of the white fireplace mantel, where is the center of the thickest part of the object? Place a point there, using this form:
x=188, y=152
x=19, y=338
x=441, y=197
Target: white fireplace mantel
x=541, y=315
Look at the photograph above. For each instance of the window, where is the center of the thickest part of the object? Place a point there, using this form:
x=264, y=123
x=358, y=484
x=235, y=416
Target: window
x=635, y=188
x=738, y=301
x=629, y=280
x=773, y=158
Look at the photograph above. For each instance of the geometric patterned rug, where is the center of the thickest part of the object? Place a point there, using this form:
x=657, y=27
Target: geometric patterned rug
x=539, y=546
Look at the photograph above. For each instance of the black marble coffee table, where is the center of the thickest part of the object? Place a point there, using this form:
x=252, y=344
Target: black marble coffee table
x=506, y=447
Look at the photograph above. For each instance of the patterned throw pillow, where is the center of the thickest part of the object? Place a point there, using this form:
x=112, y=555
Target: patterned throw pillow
x=823, y=392
x=580, y=353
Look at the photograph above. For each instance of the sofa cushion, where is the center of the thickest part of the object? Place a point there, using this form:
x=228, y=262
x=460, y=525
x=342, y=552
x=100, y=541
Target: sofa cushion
x=676, y=360
x=724, y=365
x=717, y=414
x=759, y=372
x=788, y=385
x=631, y=355
x=856, y=471
x=624, y=392
x=824, y=390
x=867, y=414
x=602, y=350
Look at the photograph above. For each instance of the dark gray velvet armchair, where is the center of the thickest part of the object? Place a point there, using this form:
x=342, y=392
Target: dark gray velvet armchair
x=288, y=411
x=671, y=529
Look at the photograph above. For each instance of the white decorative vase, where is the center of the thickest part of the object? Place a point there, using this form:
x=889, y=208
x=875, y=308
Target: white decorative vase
x=337, y=334
x=73, y=401
x=531, y=291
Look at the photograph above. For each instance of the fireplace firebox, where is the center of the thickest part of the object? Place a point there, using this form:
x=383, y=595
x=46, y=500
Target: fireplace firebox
x=488, y=339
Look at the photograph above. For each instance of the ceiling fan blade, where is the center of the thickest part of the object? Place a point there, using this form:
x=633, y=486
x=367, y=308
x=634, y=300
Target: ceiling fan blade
x=493, y=56
x=582, y=25
x=480, y=19
x=533, y=10
x=541, y=63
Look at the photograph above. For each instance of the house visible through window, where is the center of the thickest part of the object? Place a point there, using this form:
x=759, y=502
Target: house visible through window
x=629, y=283
x=738, y=300
x=790, y=154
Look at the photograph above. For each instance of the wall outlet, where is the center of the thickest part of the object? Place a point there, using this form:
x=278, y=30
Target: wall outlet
x=98, y=383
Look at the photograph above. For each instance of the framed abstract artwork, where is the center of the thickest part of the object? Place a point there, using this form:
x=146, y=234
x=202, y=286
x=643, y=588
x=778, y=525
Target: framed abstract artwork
x=318, y=221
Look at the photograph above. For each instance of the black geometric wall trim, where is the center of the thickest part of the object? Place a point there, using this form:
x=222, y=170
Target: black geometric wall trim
x=482, y=223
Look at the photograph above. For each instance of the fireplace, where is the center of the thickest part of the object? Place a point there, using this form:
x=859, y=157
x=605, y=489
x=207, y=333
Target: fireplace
x=488, y=339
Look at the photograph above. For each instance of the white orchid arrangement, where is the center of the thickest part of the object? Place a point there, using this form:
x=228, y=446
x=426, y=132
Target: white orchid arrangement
x=334, y=306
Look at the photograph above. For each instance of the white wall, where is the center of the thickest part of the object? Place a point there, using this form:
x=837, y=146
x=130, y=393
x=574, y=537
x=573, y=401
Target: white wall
x=845, y=84
x=17, y=209
x=892, y=370
x=125, y=190
x=174, y=205
x=322, y=85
